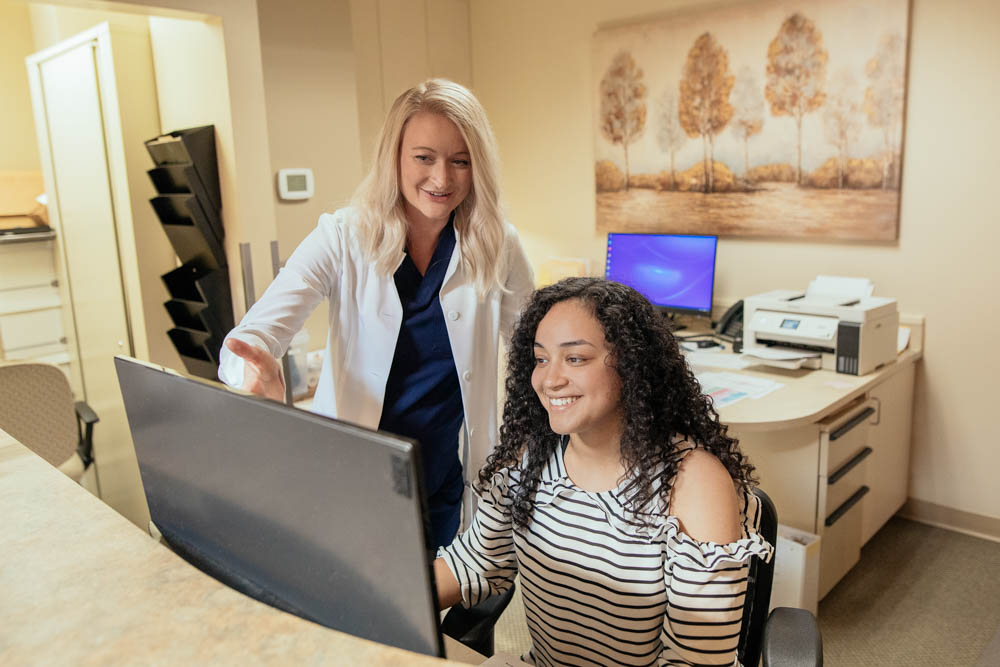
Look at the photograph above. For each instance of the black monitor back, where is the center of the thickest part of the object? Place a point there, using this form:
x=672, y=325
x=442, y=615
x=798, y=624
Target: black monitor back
x=312, y=515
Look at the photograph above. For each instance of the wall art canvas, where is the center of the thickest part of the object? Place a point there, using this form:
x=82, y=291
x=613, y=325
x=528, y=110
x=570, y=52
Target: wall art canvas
x=778, y=119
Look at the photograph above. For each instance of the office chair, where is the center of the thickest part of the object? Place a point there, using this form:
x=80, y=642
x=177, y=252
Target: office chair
x=787, y=637
x=37, y=410
x=474, y=626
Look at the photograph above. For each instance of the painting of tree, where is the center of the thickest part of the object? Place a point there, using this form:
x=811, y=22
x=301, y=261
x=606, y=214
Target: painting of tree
x=796, y=72
x=704, y=105
x=778, y=118
x=884, y=98
x=841, y=120
x=748, y=111
x=623, y=109
x=671, y=136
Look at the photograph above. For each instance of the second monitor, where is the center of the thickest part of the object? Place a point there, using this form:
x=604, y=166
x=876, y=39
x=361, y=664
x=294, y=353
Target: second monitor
x=676, y=272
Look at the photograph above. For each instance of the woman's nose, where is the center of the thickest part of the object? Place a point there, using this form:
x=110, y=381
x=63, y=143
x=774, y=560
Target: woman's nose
x=554, y=377
x=439, y=172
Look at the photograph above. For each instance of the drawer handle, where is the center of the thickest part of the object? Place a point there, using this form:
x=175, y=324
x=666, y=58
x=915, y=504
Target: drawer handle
x=854, y=421
x=848, y=504
x=846, y=468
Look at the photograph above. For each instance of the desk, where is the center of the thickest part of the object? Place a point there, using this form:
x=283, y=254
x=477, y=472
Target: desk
x=80, y=584
x=824, y=437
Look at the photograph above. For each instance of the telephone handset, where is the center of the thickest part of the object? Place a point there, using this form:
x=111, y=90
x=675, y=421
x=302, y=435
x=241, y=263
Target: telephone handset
x=731, y=324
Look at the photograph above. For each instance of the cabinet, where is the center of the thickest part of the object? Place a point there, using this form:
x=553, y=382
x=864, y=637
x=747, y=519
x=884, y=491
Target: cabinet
x=31, y=318
x=833, y=454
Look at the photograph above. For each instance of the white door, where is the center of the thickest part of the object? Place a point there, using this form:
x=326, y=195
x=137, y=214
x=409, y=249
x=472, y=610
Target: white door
x=72, y=112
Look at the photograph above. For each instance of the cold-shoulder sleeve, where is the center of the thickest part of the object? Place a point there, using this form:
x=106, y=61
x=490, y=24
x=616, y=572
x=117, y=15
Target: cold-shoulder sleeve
x=706, y=584
x=482, y=558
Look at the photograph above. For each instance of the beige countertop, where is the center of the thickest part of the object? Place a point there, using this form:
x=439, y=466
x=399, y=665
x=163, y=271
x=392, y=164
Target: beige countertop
x=81, y=585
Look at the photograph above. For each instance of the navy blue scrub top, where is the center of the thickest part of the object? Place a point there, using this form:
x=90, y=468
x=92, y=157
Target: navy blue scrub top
x=423, y=398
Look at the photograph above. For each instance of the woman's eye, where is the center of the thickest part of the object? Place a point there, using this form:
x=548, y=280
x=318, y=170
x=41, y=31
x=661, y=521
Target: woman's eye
x=539, y=361
x=464, y=164
x=423, y=158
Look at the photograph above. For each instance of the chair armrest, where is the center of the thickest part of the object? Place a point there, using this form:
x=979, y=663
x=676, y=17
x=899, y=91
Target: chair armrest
x=85, y=415
x=791, y=638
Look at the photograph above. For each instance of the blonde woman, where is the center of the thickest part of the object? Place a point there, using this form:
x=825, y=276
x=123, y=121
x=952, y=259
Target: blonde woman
x=423, y=276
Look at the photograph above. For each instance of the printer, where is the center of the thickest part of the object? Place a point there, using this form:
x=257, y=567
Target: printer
x=836, y=320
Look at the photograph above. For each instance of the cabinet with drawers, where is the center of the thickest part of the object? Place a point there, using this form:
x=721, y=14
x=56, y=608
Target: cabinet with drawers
x=840, y=473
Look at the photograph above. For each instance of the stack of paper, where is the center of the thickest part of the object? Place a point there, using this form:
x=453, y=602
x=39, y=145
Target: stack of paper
x=784, y=357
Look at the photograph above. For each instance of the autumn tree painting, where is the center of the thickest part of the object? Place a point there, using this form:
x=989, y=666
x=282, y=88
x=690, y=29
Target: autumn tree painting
x=884, y=99
x=841, y=119
x=748, y=111
x=623, y=106
x=704, y=108
x=670, y=136
x=770, y=118
x=796, y=73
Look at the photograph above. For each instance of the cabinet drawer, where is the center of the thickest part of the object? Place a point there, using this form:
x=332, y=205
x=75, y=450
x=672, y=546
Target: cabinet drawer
x=32, y=329
x=840, y=545
x=843, y=482
x=844, y=435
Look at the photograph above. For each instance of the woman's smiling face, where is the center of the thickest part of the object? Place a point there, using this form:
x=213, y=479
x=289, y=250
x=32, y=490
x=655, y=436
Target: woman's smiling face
x=435, y=168
x=574, y=377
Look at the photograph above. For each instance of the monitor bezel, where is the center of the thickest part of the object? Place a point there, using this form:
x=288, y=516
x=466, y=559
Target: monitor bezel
x=681, y=310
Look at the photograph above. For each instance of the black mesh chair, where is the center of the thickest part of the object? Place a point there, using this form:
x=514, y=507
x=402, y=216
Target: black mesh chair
x=787, y=637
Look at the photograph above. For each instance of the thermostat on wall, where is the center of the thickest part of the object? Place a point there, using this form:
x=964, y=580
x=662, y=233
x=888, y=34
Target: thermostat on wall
x=295, y=183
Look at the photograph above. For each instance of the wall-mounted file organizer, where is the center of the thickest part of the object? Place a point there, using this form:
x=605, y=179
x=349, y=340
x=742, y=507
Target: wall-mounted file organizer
x=189, y=205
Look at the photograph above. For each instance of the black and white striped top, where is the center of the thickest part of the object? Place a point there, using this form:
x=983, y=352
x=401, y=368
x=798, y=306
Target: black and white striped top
x=599, y=588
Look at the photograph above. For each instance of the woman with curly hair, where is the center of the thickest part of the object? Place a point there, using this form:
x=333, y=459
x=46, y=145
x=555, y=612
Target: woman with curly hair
x=614, y=492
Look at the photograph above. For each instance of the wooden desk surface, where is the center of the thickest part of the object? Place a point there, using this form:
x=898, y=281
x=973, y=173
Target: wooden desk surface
x=80, y=584
x=811, y=395
x=807, y=397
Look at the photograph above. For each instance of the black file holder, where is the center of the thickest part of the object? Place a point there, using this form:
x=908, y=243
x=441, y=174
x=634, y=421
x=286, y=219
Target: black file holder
x=189, y=203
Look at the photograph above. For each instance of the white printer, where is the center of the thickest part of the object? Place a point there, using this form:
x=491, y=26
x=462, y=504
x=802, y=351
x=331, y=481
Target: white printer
x=837, y=318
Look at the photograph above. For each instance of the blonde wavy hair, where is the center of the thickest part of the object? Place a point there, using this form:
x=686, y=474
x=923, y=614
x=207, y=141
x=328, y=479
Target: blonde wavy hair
x=479, y=219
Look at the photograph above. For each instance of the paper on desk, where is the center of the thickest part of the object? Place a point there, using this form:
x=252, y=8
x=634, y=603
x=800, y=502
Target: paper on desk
x=717, y=360
x=728, y=388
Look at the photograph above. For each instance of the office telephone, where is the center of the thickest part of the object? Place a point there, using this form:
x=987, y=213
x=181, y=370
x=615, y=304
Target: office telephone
x=730, y=325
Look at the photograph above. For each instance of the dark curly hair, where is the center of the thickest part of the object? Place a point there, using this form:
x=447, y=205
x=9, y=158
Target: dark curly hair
x=660, y=397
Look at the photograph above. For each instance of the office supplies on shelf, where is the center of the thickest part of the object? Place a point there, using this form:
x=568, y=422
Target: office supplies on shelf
x=853, y=331
x=675, y=272
x=321, y=518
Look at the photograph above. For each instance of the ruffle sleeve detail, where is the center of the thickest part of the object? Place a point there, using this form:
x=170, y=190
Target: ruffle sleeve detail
x=689, y=552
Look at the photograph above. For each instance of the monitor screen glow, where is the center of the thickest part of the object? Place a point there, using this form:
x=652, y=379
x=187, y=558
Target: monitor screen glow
x=673, y=271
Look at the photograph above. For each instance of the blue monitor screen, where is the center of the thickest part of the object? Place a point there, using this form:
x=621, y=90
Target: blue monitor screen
x=673, y=271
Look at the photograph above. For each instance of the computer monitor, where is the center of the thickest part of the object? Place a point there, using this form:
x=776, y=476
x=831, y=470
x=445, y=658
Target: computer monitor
x=320, y=518
x=676, y=272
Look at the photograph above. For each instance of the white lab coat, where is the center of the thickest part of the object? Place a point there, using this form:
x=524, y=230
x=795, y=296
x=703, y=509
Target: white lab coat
x=365, y=318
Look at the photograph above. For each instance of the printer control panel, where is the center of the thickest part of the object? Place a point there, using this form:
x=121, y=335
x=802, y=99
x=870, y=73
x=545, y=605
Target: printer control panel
x=802, y=327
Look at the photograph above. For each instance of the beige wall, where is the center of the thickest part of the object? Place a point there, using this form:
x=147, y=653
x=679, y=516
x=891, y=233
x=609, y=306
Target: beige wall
x=18, y=150
x=312, y=115
x=532, y=69
x=399, y=43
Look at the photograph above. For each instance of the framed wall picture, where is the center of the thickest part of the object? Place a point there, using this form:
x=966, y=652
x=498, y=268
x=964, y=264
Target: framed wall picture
x=772, y=118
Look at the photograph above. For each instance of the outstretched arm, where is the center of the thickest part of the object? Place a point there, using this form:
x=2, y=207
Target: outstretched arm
x=261, y=371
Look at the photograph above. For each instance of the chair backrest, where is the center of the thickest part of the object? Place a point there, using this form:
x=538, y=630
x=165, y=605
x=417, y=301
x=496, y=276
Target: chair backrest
x=36, y=409
x=758, y=595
